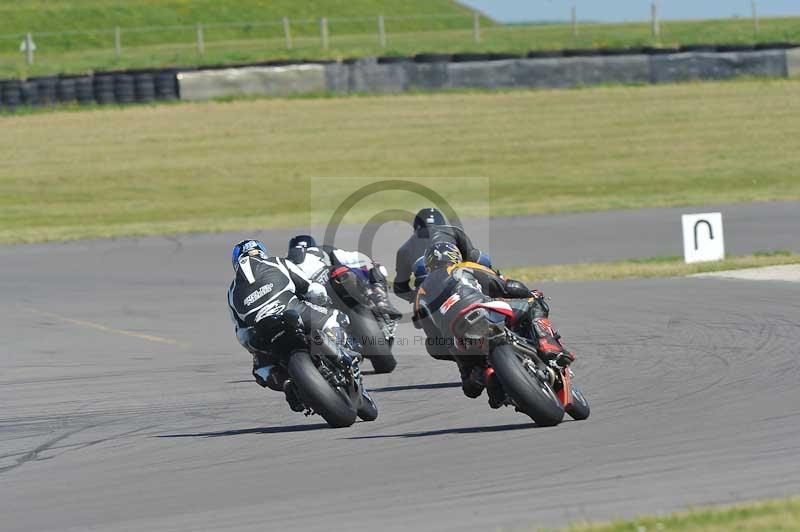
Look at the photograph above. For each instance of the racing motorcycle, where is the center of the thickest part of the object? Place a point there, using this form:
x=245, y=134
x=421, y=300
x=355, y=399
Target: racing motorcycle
x=327, y=382
x=373, y=329
x=542, y=390
x=350, y=289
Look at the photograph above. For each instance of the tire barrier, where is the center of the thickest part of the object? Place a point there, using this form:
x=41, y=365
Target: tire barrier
x=30, y=93
x=47, y=90
x=11, y=94
x=84, y=90
x=425, y=71
x=166, y=83
x=124, y=90
x=66, y=90
x=144, y=85
x=104, y=89
x=432, y=58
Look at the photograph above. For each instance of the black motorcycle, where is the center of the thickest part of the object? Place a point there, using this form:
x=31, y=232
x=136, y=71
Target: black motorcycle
x=373, y=329
x=327, y=382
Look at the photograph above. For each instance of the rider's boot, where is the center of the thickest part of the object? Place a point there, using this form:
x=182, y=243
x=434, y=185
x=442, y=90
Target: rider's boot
x=472, y=379
x=292, y=397
x=380, y=299
x=550, y=347
x=276, y=378
x=494, y=390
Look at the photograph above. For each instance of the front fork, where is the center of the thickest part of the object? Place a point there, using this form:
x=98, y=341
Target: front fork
x=559, y=378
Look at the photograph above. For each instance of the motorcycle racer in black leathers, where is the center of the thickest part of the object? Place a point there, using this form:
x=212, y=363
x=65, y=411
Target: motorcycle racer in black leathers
x=271, y=286
x=318, y=262
x=430, y=227
x=452, y=285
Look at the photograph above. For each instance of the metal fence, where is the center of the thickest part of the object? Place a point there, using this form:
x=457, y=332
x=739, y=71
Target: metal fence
x=247, y=41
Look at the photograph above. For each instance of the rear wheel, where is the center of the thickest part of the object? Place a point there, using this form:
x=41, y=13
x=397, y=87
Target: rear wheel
x=520, y=381
x=318, y=394
x=579, y=408
x=375, y=346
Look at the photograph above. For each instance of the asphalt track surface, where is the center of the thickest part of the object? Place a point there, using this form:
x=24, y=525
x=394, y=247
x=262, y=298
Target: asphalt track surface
x=128, y=405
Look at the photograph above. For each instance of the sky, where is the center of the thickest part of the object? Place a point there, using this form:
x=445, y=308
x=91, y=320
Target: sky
x=627, y=10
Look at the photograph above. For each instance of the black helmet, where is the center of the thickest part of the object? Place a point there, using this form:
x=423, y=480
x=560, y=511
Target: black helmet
x=302, y=241
x=428, y=217
x=441, y=255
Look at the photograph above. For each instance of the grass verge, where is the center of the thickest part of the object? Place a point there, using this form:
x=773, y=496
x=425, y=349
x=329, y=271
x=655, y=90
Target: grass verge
x=779, y=515
x=646, y=268
x=412, y=26
x=247, y=164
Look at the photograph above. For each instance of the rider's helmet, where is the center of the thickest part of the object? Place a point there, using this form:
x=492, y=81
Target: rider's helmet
x=441, y=255
x=427, y=217
x=250, y=248
x=302, y=241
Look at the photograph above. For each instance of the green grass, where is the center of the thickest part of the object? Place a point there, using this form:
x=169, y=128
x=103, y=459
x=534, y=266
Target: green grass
x=258, y=36
x=248, y=164
x=412, y=26
x=647, y=268
x=773, y=516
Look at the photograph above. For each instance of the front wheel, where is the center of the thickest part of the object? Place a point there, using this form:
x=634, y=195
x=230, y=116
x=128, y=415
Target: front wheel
x=317, y=392
x=579, y=407
x=521, y=383
x=368, y=411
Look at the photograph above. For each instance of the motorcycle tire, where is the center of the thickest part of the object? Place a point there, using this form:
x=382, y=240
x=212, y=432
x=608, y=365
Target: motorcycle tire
x=379, y=352
x=318, y=394
x=579, y=407
x=531, y=396
x=368, y=411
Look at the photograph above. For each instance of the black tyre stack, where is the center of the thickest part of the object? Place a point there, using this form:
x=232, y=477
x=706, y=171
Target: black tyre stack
x=124, y=88
x=144, y=87
x=84, y=90
x=103, y=85
x=166, y=85
x=47, y=90
x=11, y=94
x=66, y=91
x=30, y=92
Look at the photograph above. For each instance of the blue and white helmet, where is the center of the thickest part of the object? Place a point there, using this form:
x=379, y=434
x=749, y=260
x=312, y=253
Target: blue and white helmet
x=250, y=248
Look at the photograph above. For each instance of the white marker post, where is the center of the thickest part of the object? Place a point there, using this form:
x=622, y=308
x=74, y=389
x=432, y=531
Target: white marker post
x=28, y=47
x=702, y=237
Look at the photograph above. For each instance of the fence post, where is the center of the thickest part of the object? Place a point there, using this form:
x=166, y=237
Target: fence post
x=756, y=24
x=381, y=32
x=118, y=42
x=476, y=27
x=287, y=33
x=29, y=48
x=574, y=21
x=323, y=32
x=201, y=45
x=656, y=23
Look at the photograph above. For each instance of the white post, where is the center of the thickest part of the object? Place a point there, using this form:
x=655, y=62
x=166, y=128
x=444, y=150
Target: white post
x=287, y=33
x=118, y=42
x=574, y=21
x=29, y=48
x=756, y=27
x=476, y=27
x=381, y=32
x=323, y=32
x=201, y=45
x=656, y=23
